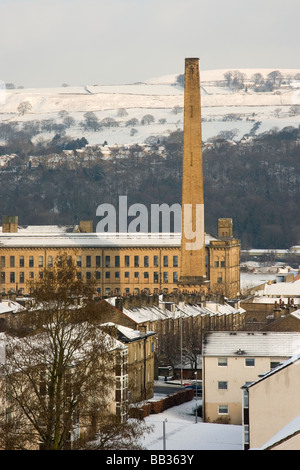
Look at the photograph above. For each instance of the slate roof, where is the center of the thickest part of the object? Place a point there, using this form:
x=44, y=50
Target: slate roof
x=51, y=236
x=254, y=344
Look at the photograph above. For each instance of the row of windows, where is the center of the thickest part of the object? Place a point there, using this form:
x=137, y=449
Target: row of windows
x=108, y=275
x=31, y=262
x=249, y=362
x=218, y=264
x=109, y=290
x=87, y=260
x=117, y=291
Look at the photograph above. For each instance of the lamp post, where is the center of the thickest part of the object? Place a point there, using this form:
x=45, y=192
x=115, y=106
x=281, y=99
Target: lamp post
x=196, y=411
x=181, y=351
x=164, y=433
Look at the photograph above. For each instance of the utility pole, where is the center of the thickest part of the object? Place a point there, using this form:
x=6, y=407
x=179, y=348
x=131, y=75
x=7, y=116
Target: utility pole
x=181, y=351
x=196, y=412
x=164, y=434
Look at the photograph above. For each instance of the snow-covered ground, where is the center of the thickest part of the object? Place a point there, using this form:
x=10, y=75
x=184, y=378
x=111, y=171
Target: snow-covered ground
x=183, y=433
x=158, y=97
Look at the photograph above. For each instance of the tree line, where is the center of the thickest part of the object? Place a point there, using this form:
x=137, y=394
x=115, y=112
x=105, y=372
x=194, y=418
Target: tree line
x=254, y=181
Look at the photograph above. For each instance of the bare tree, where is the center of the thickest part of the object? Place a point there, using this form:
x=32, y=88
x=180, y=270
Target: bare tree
x=132, y=122
x=147, y=119
x=63, y=113
x=122, y=112
x=275, y=77
x=294, y=110
x=133, y=131
x=277, y=111
x=24, y=107
x=234, y=79
x=91, y=121
x=109, y=122
x=114, y=435
x=177, y=110
x=258, y=79
x=59, y=367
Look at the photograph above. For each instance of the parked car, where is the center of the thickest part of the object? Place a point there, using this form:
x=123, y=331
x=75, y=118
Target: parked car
x=196, y=385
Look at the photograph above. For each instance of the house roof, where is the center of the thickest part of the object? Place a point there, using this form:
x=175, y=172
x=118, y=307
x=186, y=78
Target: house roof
x=154, y=313
x=288, y=431
x=10, y=306
x=285, y=289
x=289, y=321
x=281, y=366
x=254, y=344
x=128, y=334
x=66, y=237
x=293, y=427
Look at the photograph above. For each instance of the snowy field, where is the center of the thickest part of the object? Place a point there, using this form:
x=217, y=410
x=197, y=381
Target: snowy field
x=158, y=97
x=183, y=433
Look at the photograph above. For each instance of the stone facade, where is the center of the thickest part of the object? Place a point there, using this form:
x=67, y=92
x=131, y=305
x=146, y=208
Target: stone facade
x=119, y=265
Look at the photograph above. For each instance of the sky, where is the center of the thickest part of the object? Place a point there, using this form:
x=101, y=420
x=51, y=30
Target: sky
x=46, y=43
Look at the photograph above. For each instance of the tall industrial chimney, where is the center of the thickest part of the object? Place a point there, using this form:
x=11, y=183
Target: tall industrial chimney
x=193, y=270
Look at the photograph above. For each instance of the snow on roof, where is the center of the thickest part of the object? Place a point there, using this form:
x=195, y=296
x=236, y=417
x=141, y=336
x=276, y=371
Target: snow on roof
x=145, y=314
x=10, y=306
x=294, y=425
x=209, y=308
x=154, y=313
x=273, y=371
x=287, y=289
x=254, y=344
x=291, y=428
x=252, y=280
x=63, y=238
x=42, y=339
x=33, y=229
x=5, y=308
x=132, y=334
x=264, y=250
x=271, y=300
x=129, y=333
x=296, y=314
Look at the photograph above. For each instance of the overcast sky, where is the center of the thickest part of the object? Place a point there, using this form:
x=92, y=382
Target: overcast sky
x=50, y=42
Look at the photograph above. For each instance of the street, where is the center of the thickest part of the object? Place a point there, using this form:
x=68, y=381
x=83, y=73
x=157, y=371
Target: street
x=166, y=388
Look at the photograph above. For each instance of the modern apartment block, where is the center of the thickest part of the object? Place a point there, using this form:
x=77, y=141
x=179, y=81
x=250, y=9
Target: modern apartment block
x=232, y=360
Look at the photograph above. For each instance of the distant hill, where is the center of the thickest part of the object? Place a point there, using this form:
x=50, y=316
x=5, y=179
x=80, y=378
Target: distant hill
x=59, y=161
x=225, y=107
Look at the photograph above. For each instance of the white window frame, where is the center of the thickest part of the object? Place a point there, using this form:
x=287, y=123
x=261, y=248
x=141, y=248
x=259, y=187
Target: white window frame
x=223, y=412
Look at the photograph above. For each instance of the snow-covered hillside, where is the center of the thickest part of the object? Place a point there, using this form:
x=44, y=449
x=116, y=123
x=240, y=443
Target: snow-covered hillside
x=222, y=108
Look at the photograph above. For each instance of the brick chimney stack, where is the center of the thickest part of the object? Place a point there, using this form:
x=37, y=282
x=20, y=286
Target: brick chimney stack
x=193, y=271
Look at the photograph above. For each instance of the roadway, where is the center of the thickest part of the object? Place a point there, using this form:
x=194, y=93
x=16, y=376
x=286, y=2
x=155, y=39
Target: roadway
x=166, y=388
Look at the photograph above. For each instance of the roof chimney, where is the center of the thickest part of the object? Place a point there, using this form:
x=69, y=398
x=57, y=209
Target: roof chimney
x=9, y=224
x=86, y=226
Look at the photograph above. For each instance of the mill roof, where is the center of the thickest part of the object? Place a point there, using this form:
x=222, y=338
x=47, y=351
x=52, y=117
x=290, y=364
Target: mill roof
x=65, y=236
